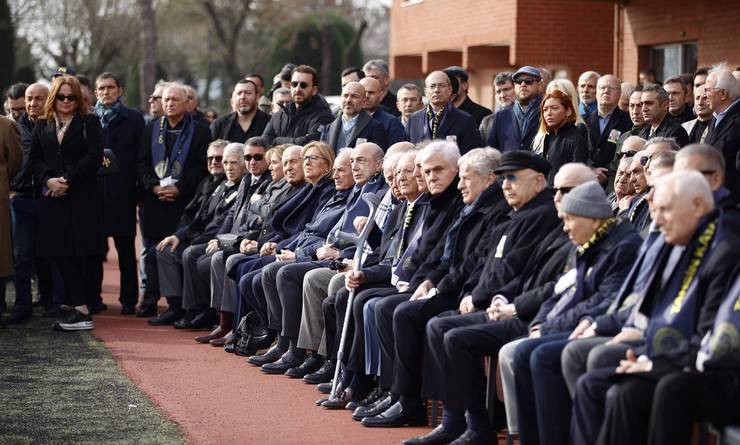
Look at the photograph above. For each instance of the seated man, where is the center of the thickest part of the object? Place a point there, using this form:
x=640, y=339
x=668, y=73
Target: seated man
x=173, y=250
x=683, y=311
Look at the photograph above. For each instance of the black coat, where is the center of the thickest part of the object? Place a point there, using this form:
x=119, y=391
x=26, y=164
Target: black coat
x=454, y=123
x=390, y=104
x=366, y=128
x=512, y=247
x=298, y=126
x=203, y=192
x=243, y=198
x=290, y=218
x=725, y=137
x=22, y=182
x=160, y=219
x=567, y=145
x=210, y=216
x=602, y=145
x=70, y=225
x=668, y=128
x=476, y=110
x=228, y=128
x=123, y=136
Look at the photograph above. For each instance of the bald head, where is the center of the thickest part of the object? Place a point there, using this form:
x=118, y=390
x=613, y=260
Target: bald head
x=35, y=96
x=353, y=99
x=373, y=93
x=367, y=160
x=608, y=92
x=633, y=144
x=705, y=159
x=438, y=89
x=680, y=200
x=569, y=176
x=400, y=147
x=292, y=165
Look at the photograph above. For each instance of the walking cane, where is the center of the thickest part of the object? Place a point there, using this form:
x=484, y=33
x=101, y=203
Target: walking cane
x=372, y=201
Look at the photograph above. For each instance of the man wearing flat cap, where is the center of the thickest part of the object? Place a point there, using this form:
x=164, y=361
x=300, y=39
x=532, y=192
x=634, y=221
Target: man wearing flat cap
x=514, y=127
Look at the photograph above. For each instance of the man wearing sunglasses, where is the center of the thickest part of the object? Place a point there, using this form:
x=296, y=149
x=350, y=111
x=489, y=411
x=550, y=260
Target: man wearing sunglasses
x=247, y=120
x=514, y=127
x=300, y=121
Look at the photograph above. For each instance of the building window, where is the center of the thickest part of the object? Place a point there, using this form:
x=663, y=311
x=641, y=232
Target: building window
x=673, y=59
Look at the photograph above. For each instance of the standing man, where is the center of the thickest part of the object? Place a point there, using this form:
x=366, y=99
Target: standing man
x=409, y=102
x=654, y=102
x=378, y=70
x=351, y=74
x=723, y=92
x=514, y=127
x=155, y=103
x=503, y=88
x=11, y=157
x=587, y=93
x=300, y=121
x=390, y=122
x=462, y=100
x=439, y=119
x=15, y=101
x=697, y=128
x=247, y=120
x=171, y=163
x=263, y=102
x=354, y=122
x=678, y=99
x=123, y=128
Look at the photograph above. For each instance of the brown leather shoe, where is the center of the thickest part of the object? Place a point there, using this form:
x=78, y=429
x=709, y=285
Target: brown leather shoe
x=228, y=338
x=216, y=333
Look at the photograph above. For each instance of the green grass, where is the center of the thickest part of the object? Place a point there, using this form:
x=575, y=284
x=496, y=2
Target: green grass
x=65, y=388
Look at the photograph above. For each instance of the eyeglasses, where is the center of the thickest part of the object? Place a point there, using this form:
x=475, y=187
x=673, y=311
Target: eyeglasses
x=562, y=190
x=68, y=98
x=507, y=177
x=708, y=172
x=154, y=98
x=295, y=84
x=525, y=81
x=215, y=158
x=627, y=154
x=257, y=157
x=645, y=159
x=435, y=86
x=312, y=158
x=607, y=88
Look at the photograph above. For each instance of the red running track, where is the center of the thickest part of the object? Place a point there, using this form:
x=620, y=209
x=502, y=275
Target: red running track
x=215, y=397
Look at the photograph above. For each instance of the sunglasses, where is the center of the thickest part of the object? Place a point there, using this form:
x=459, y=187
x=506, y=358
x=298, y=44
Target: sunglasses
x=627, y=154
x=295, y=84
x=215, y=158
x=63, y=98
x=154, y=98
x=525, y=81
x=562, y=190
x=507, y=177
x=257, y=157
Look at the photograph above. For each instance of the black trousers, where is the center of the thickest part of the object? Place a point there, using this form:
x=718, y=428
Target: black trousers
x=384, y=320
x=330, y=326
x=80, y=278
x=129, y=282
x=149, y=258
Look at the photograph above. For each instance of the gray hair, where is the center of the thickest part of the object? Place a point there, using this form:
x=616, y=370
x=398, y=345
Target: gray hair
x=449, y=150
x=175, y=86
x=636, y=141
x=412, y=87
x=218, y=143
x=281, y=90
x=588, y=75
x=378, y=64
x=503, y=77
x=686, y=185
x=662, y=93
x=713, y=158
x=663, y=140
x=400, y=147
x=391, y=160
x=724, y=80
x=235, y=148
x=664, y=159
x=483, y=160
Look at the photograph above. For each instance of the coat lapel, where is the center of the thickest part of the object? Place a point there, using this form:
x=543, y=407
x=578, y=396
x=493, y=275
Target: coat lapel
x=334, y=130
x=448, y=121
x=74, y=127
x=716, y=132
x=363, y=120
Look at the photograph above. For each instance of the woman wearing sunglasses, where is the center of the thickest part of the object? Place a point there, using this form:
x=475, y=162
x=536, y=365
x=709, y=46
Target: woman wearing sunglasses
x=66, y=153
x=564, y=142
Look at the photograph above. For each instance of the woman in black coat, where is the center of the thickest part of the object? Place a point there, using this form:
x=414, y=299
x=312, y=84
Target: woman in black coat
x=66, y=152
x=564, y=142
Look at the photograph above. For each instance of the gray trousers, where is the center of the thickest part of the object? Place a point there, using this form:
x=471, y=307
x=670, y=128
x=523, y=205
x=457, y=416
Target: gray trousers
x=195, y=278
x=223, y=288
x=582, y=356
x=169, y=270
x=317, y=285
x=505, y=364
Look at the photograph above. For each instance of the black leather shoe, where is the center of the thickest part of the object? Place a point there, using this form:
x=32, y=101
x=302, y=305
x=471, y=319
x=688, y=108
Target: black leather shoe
x=16, y=317
x=272, y=355
x=97, y=308
x=325, y=387
x=437, y=436
x=184, y=321
x=230, y=348
x=146, y=310
x=291, y=359
x=312, y=364
x=470, y=437
x=396, y=416
x=340, y=401
x=165, y=318
x=203, y=320
x=373, y=409
x=243, y=349
x=128, y=309
x=323, y=375
x=375, y=395
x=263, y=341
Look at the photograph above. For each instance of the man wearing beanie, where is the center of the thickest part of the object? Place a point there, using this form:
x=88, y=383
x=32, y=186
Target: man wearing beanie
x=605, y=247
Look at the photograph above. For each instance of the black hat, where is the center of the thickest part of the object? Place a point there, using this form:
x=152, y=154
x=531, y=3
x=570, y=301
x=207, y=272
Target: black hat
x=63, y=71
x=520, y=159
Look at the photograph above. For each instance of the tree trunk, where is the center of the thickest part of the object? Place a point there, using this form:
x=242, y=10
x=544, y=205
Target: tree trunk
x=148, y=65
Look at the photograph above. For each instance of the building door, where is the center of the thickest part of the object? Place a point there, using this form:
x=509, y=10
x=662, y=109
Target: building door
x=673, y=59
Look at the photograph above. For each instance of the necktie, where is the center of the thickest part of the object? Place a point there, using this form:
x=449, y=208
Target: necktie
x=406, y=224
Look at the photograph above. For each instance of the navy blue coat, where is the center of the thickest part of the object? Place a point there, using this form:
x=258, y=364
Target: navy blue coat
x=366, y=128
x=454, y=122
x=602, y=147
x=607, y=264
x=392, y=124
x=291, y=217
x=123, y=136
x=505, y=134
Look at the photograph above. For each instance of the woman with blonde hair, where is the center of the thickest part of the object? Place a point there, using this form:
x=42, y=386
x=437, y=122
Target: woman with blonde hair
x=66, y=153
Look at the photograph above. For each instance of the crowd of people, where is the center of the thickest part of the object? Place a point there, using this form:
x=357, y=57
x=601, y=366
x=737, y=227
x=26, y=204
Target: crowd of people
x=583, y=239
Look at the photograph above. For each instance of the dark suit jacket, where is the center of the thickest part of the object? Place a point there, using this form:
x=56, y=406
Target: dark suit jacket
x=228, y=128
x=454, y=123
x=725, y=137
x=389, y=104
x=392, y=124
x=601, y=146
x=668, y=128
x=505, y=134
x=366, y=127
x=476, y=110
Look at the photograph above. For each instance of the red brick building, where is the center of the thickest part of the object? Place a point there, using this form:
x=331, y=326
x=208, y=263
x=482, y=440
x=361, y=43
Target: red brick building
x=567, y=37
